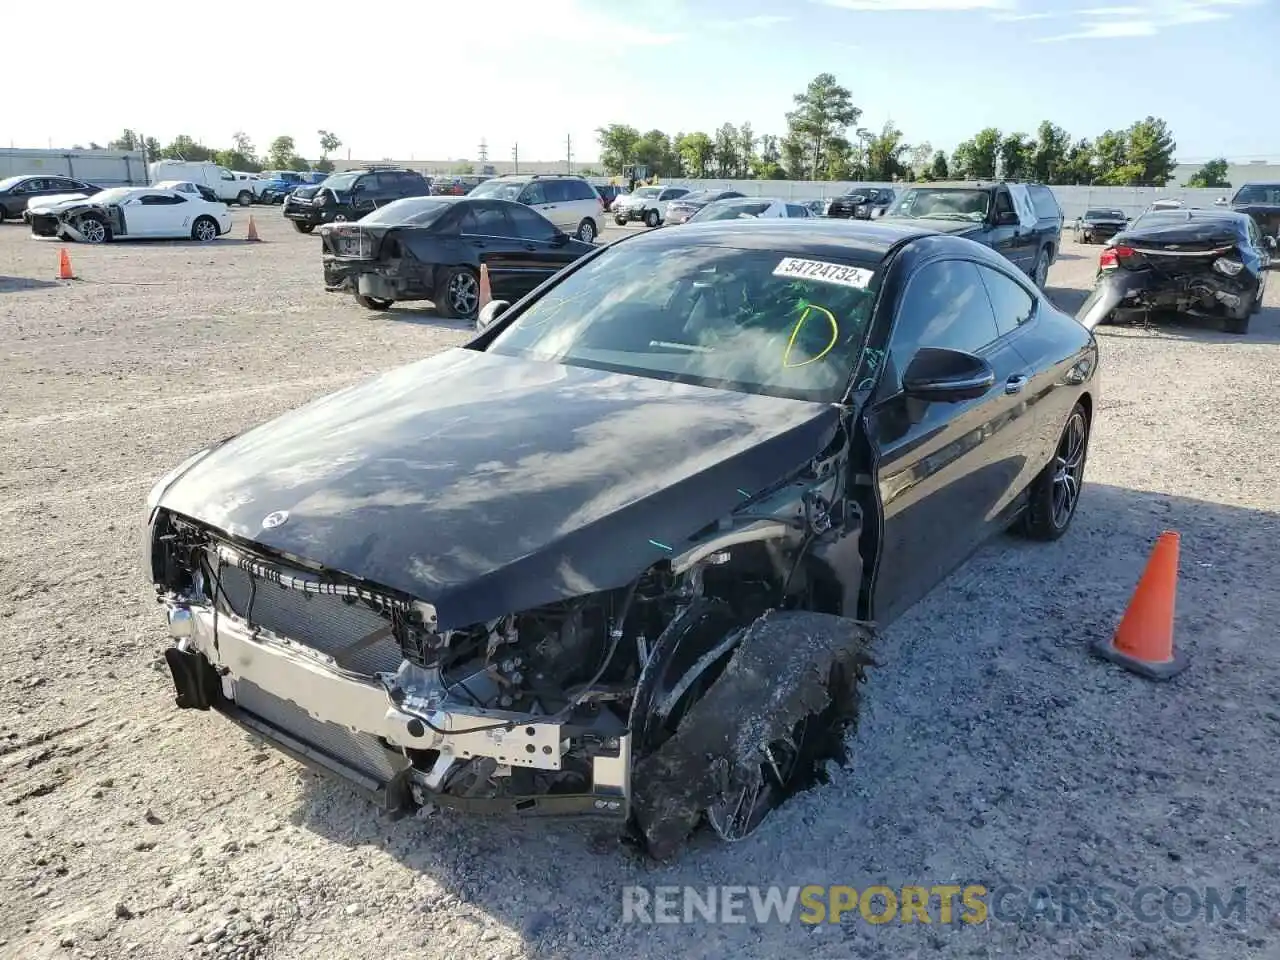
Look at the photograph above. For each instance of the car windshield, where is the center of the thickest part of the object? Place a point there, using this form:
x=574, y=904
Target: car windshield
x=757, y=321
x=499, y=189
x=115, y=195
x=647, y=192
x=1104, y=215
x=942, y=205
x=733, y=209
x=1249, y=193
x=697, y=196
x=341, y=181
x=418, y=211
x=10, y=182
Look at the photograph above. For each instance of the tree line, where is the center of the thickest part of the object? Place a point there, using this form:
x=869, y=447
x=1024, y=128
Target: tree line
x=824, y=142
x=282, y=154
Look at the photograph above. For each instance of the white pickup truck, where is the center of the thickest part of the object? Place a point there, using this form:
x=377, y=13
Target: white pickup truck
x=228, y=187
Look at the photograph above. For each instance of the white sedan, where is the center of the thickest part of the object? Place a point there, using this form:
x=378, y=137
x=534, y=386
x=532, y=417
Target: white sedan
x=133, y=212
x=751, y=208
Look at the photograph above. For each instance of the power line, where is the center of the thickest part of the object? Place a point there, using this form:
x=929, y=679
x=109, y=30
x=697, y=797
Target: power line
x=515, y=156
x=484, y=150
x=568, y=154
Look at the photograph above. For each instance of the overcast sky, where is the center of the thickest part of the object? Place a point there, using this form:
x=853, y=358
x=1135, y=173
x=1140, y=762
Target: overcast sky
x=401, y=79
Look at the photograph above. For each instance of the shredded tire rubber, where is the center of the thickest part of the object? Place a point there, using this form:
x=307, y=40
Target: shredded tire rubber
x=789, y=665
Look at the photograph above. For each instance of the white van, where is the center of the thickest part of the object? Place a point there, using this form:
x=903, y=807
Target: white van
x=223, y=182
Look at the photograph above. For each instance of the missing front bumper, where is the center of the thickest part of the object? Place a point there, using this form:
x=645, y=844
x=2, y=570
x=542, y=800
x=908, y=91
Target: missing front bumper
x=348, y=727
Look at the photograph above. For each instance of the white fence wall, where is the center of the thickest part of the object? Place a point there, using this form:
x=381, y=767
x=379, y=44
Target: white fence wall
x=106, y=168
x=1073, y=200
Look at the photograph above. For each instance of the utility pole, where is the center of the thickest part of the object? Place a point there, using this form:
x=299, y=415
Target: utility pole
x=568, y=154
x=484, y=150
x=515, y=156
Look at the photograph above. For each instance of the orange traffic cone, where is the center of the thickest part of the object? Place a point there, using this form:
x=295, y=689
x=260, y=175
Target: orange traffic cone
x=1144, y=640
x=485, y=293
x=253, y=230
x=64, y=266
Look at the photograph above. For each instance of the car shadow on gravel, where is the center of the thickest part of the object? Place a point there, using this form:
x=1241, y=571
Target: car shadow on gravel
x=19, y=284
x=1066, y=299
x=425, y=316
x=1264, y=327
x=992, y=746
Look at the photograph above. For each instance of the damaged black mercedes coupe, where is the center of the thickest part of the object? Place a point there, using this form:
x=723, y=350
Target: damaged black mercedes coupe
x=620, y=555
x=1196, y=262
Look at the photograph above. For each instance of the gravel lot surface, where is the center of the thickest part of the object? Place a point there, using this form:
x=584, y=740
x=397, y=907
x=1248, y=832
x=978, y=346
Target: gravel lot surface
x=993, y=750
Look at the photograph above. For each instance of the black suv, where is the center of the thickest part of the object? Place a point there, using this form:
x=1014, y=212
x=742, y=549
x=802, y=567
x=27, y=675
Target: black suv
x=351, y=194
x=1020, y=221
x=859, y=203
x=1262, y=202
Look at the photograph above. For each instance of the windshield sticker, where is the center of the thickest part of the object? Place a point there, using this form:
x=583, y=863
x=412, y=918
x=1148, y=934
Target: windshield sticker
x=837, y=273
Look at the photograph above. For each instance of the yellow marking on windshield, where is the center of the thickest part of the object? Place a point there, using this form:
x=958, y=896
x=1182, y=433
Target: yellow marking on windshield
x=791, y=342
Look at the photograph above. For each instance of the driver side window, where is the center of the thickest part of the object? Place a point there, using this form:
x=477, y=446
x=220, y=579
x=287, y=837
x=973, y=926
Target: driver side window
x=945, y=305
x=1004, y=203
x=533, y=195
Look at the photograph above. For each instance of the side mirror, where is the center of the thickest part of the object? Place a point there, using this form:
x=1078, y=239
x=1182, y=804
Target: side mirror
x=1008, y=219
x=1271, y=243
x=943, y=375
x=489, y=314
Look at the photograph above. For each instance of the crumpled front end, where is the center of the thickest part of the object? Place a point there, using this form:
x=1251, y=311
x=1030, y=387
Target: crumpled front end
x=316, y=664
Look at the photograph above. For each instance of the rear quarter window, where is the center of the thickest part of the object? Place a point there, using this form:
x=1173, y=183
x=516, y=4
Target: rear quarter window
x=1045, y=202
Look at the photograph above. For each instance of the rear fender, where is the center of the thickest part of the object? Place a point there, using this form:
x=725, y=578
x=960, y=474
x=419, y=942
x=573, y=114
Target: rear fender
x=1111, y=289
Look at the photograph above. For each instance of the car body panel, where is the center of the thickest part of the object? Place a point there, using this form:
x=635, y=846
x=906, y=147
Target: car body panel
x=130, y=213
x=24, y=192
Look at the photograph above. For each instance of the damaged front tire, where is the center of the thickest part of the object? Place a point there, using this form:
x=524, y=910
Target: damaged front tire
x=760, y=732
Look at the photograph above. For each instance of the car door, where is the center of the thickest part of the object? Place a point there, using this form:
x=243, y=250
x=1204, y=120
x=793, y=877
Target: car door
x=489, y=230
x=157, y=215
x=1005, y=233
x=942, y=472
x=797, y=210
x=541, y=249
x=535, y=197
x=28, y=194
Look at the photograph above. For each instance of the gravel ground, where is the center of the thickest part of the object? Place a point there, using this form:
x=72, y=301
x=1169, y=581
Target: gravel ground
x=993, y=749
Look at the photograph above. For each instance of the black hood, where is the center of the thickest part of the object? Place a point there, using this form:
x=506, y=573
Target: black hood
x=306, y=193
x=487, y=484
x=960, y=228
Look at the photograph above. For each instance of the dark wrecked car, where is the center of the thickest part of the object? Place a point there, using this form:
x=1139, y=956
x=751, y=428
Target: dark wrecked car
x=1262, y=202
x=1204, y=263
x=1100, y=224
x=860, y=203
x=432, y=248
x=616, y=556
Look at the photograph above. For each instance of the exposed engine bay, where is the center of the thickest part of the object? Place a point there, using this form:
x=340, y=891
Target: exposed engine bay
x=542, y=712
x=85, y=221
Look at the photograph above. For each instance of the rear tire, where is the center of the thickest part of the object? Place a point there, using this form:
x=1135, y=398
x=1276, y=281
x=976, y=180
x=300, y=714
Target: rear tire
x=620, y=221
x=373, y=303
x=204, y=229
x=1055, y=493
x=587, y=231
x=93, y=229
x=303, y=227
x=651, y=219
x=1040, y=270
x=244, y=198
x=1237, y=327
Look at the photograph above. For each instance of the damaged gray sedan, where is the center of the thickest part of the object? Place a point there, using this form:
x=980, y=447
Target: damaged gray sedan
x=617, y=557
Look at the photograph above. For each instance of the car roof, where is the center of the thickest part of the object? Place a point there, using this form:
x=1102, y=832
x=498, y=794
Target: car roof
x=1260, y=183
x=801, y=236
x=1202, y=213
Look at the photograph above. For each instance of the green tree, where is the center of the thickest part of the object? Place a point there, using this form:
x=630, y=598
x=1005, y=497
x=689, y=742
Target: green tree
x=654, y=150
x=298, y=163
x=1016, y=154
x=697, y=152
x=281, y=153
x=986, y=154
x=1149, y=145
x=1109, y=152
x=618, y=143
x=963, y=160
x=243, y=145
x=128, y=140
x=1049, y=152
x=235, y=160
x=1079, y=164
x=151, y=147
x=329, y=142
x=1212, y=174
x=726, y=150
x=185, y=148
x=746, y=150
x=885, y=152
x=768, y=164
x=920, y=155
x=938, y=169
x=817, y=126
x=323, y=165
